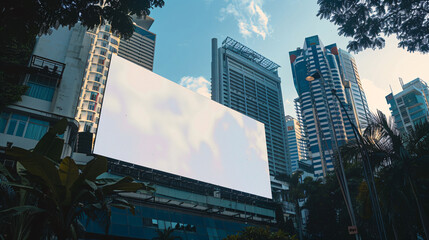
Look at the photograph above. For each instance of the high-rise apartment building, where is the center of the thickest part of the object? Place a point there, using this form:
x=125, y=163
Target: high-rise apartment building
x=324, y=120
x=411, y=106
x=57, y=67
x=247, y=82
x=138, y=49
x=296, y=143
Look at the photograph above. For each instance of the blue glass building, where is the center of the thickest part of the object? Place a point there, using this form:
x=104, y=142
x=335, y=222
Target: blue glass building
x=324, y=120
x=411, y=106
x=196, y=210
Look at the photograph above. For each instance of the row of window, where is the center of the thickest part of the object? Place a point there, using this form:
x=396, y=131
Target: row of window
x=22, y=126
x=161, y=224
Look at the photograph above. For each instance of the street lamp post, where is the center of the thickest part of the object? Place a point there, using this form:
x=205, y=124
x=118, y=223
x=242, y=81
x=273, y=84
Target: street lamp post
x=339, y=168
x=368, y=173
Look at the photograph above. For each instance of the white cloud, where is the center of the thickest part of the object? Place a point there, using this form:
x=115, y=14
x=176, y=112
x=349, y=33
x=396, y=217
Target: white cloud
x=375, y=96
x=199, y=85
x=251, y=19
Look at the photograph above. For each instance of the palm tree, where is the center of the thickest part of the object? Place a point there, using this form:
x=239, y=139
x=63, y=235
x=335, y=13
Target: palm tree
x=400, y=162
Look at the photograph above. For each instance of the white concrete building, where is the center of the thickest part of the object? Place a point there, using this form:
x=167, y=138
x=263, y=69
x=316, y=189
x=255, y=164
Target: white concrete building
x=57, y=65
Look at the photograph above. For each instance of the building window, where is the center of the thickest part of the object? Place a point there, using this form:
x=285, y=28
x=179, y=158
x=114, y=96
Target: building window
x=103, y=52
x=41, y=87
x=107, y=28
x=36, y=129
x=97, y=78
x=17, y=125
x=91, y=106
x=105, y=37
x=101, y=61
x=87, y=127
x=93, y=96
x=113, y=41
x=95, y=87
x=113, y=50
x=89, y=116
x=100, y=69
x=23, y=126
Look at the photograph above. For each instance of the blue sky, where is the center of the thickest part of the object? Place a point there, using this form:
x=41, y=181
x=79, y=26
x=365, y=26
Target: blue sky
x=273, y=28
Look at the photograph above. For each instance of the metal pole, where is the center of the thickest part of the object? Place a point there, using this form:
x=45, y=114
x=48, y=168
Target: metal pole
x=368, y=174
x=339, y=167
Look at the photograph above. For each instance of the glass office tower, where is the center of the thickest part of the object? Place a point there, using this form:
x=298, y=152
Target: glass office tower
x=247, y=82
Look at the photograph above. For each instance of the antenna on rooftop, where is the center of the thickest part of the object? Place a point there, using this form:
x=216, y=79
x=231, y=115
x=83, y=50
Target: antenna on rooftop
x=391, y=88
x=401, y=82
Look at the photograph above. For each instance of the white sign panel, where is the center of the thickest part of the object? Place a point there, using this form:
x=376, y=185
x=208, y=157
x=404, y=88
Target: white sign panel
x=153, y=122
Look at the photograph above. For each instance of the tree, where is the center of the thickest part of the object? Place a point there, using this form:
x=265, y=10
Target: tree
x=365, y=21
x=25, y=19
x=52, y=194
x=328, y=217
x=400, y=163
x=260, y=233
x=22, y=20
x=295, y=194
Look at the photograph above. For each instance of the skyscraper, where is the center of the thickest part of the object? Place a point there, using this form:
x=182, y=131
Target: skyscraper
x=410, y=106
x=324, y=120
x=355, y=94
x=138, y=49
x=296, y=143
x=247, y=82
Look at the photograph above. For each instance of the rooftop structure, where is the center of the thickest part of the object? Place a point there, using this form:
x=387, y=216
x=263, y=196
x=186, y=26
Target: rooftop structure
x=250, y=54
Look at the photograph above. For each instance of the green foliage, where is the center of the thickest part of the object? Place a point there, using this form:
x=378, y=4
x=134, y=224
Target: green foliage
x=260, y=233
x=25, y=19
x=54, y=193
x=400, y=164
x=294, y=194
x=328, y=217
x=22, y=20
x=365, y=21
x=10, y=92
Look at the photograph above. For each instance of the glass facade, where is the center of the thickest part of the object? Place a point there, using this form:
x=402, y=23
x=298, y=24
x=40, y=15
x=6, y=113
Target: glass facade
x=147, y=220
x=411, y=106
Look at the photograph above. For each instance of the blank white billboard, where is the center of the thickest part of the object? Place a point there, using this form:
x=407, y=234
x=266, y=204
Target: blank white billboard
x=150, y=121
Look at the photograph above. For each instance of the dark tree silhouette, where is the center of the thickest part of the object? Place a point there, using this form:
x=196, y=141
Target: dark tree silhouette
x=365, y=21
